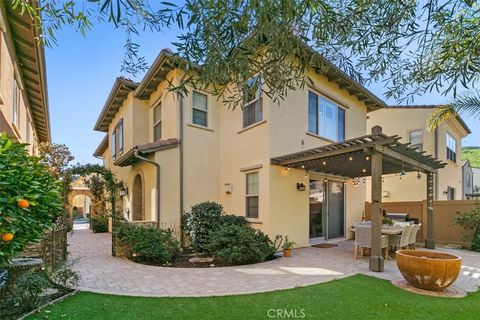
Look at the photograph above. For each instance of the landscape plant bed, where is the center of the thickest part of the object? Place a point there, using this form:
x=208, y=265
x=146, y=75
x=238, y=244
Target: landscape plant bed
x=9, y=310
x=184, y=262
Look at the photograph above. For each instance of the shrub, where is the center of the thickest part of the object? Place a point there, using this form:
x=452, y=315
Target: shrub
x=29, y=286
x=99, y=223
x=230, y=219
x=204, y=218
x=471, y=220
x=30, y=199
x=235, y=244
x=64, y=277
x=150, y=244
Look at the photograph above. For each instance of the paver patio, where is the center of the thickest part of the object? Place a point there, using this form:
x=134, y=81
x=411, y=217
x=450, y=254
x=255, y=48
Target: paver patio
x=100, y=272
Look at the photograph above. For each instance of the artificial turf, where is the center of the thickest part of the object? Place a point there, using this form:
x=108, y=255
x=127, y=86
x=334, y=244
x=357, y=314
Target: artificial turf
x=353, y=298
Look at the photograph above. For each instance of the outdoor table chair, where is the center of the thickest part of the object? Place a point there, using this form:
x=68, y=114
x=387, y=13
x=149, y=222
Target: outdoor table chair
x=413, y=236
x=401, y=241
x=363, y=239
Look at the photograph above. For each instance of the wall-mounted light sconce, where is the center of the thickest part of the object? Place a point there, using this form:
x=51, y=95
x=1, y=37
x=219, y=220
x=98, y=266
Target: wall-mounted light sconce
x=228, y=188
x=300, y=186
x=123, y=191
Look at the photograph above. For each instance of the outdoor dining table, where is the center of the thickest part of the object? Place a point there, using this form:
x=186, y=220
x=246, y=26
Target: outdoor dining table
x=392, y=231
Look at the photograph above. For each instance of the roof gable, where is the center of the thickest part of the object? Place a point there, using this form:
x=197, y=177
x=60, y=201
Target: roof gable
x=120, y=90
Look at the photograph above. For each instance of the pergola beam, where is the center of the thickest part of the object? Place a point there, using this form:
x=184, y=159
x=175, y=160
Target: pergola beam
x=400, y=158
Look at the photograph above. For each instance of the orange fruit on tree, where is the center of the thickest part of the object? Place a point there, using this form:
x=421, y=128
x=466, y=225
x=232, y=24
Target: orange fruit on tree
x=7, y=237
x=23, y=203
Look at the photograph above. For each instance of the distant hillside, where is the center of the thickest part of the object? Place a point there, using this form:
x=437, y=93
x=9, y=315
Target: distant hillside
x=472, y=154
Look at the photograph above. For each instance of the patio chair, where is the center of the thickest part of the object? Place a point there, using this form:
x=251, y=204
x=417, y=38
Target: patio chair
x=363, y=239
x=413, y=236
x=401, y=241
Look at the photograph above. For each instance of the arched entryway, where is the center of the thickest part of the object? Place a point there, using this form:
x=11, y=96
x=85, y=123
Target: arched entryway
x=138, y=199
x=81, y=204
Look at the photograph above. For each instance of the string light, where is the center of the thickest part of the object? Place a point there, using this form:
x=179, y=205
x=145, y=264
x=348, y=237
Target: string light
x=367, y=158
x=303, y=167
x=324, y=162
x=364, y=170
x=351, y=158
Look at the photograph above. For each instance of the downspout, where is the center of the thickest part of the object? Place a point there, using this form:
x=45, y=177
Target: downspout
x=181, y=168
x=436, y=156
x=136, y=155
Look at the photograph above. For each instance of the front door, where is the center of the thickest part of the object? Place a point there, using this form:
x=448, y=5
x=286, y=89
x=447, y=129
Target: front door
x=335, y=209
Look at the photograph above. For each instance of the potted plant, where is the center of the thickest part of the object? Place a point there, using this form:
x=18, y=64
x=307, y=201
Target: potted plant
x=287, y=247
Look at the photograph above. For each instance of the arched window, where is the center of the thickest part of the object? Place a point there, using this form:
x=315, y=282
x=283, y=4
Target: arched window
x=138, y=205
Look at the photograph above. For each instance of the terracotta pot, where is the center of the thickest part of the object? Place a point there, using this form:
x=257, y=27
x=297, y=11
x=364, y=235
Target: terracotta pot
x=287, y=252
x=428, y=270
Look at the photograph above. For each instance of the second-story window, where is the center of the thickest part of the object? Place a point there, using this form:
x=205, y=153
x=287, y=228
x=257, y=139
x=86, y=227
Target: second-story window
x=451, y=148
x=199, y=109
x=114, y=144
x=120, y=136
x=253, y=105
x=157, y=122
x=415, y=138
x=16, y=104
x=325, y=118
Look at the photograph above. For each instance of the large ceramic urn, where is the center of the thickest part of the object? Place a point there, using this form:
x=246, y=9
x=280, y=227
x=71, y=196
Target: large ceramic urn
x=428, y=270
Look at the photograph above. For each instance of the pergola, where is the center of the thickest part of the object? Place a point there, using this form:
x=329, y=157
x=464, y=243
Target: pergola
x=371, y=155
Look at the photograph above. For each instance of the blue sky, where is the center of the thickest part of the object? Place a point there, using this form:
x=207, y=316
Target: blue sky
x=81, y=71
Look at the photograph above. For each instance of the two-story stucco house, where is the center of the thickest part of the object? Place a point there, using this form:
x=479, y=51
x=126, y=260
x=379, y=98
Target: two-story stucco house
x=445, y=143
x=172, y=152
x=23, y=87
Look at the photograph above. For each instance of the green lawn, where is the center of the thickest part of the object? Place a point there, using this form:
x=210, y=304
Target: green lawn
x=353, y=298
x=472, y=154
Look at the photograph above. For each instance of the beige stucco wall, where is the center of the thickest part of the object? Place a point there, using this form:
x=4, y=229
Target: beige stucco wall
x=402, y=121
x=7, y=76
x=224, y=152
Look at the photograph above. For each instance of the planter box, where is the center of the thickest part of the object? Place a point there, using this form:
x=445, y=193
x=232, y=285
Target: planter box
x=123, y=249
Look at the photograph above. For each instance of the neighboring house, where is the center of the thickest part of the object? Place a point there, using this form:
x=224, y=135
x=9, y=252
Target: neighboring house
x=23, y=87
x=82, y=197
x=475, y=194
x=444, y=143
x=203, y=151
x=476, y=179
x=467, y=179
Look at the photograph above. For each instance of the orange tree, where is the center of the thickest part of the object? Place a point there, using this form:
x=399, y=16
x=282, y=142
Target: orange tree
x=30, y=199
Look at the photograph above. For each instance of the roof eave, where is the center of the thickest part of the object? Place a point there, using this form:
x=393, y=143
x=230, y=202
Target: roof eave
x=165, y=56
x=102, y=147
x=117, y=85
x=23, y=25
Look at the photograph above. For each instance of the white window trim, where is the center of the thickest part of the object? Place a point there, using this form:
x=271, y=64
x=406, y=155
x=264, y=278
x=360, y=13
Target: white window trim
x=414, y=130
x=198, y=109
x=448, y=134
x=257, y=195
x=254, y=101
x=338, y=105
x=120, y=138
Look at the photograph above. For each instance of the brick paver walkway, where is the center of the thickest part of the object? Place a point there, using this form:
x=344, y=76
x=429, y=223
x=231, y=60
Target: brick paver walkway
x=100, y=272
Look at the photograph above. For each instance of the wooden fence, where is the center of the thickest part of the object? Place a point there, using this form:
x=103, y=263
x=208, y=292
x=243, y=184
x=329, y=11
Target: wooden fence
x=445, y=232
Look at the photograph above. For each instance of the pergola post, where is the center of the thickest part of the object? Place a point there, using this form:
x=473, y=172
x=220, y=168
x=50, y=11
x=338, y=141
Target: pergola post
x=376, y=258
x=429, y=242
